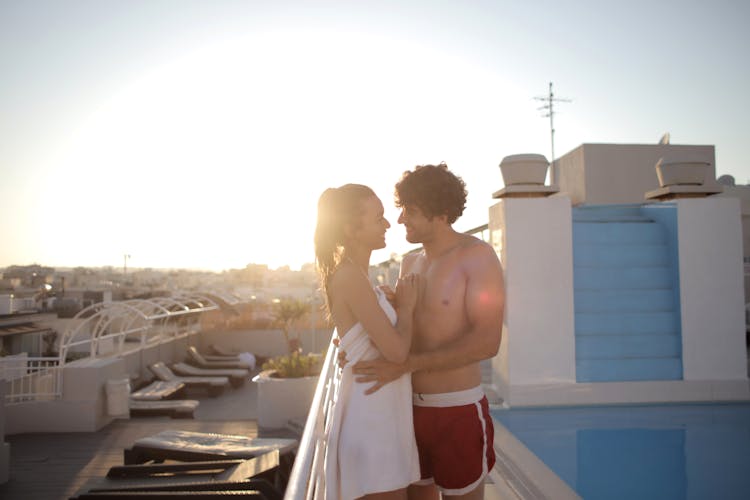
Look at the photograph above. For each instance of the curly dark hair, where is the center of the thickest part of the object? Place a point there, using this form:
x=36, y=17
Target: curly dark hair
x=434, y=189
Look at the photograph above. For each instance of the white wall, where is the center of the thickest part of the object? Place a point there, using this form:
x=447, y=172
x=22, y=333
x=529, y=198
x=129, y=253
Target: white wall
x=711, y=289
x=743, y=194
x=534, y=240
x=83, y=407
x=536, y=362
x=598, y=174
x=267, y=343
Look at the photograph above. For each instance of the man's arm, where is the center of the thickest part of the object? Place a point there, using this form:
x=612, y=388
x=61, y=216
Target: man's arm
x=484, y=302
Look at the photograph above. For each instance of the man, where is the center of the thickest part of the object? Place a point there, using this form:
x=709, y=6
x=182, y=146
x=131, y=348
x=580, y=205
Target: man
x=457, y=323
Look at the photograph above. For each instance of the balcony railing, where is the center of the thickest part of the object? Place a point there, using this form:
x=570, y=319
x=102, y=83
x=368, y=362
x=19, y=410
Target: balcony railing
x=307, y=472
x=30, y=379
x=100, y=330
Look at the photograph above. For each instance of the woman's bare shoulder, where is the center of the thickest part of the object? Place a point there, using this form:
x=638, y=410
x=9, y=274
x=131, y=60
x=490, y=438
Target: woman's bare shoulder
x=345, y=278
x=339, y=277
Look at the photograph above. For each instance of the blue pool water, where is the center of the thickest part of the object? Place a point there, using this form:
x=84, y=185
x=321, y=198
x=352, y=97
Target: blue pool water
x=641, y=452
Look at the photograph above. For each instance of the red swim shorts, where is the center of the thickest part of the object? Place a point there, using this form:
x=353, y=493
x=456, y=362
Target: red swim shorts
x=455, y=439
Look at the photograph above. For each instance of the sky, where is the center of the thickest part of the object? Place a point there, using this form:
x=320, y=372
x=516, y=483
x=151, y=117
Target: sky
x=200, y=134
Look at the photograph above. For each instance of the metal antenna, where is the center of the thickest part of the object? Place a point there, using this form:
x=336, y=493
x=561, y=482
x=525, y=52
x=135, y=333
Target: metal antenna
x=549, y=101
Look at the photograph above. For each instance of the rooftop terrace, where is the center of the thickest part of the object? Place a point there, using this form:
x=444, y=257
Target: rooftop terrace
x=47, y=466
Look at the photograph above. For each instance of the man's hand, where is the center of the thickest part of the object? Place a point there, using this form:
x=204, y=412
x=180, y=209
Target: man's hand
x=379, y=371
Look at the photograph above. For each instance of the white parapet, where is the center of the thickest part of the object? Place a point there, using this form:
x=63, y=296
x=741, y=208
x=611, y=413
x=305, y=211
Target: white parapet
x=83, y=406
x=711, y=289
x=533, y=238
x=536, y=362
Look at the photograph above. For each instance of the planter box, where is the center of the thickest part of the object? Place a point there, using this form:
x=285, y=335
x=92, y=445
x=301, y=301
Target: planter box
x=283, y=399
x=690, y=173
x=524, y=169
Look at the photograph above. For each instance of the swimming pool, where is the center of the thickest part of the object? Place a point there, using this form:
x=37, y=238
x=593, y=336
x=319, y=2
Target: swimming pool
x=694, y=451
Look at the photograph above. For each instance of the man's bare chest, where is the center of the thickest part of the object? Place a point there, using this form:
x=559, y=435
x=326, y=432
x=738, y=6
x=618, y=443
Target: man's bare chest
x=442, y=296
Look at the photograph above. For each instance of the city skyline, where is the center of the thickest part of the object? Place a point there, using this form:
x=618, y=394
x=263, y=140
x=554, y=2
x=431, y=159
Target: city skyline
x=200, y=137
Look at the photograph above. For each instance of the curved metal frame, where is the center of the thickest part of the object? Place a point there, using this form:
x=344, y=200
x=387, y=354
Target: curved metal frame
x=150, y=319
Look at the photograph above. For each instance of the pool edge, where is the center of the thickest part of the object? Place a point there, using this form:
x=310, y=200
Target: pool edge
x=515, y=463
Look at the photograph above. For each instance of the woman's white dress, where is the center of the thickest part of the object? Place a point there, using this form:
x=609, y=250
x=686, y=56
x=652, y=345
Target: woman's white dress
x=370, y=443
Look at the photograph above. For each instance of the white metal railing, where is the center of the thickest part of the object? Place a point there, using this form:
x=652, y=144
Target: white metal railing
x=31, y=379
x=105, y=327
x=101, y=330
x=307, y=472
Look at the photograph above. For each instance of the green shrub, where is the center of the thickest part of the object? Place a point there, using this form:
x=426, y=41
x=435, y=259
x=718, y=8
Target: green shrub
x=295, y=365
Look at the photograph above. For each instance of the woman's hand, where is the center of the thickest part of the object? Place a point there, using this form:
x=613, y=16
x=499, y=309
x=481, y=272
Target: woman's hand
x=390, y=295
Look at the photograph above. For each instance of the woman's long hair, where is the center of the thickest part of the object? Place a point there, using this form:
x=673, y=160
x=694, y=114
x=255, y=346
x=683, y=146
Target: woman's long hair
x=337, y=208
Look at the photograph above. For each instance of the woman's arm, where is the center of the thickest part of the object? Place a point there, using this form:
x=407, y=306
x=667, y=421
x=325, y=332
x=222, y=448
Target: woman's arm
x=350, y=288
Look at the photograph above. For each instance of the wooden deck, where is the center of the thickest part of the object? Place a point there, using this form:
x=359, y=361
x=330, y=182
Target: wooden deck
x=56, y=466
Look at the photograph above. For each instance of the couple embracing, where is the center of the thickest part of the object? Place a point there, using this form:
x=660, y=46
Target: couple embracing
x=409, y=418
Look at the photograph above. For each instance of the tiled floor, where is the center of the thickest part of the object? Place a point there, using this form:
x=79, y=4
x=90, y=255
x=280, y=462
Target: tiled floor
x=56, y=466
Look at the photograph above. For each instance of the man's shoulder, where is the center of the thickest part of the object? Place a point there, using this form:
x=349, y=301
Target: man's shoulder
x=474, y=246
x=477, y=252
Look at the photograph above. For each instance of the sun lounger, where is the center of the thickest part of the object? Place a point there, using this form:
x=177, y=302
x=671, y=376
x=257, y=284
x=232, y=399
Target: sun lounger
x=208, y=479
x=158, y=390
x=237, y=377
x=222, y=353
x=214, y=385
x=186, y=446
x=175, y=408
x=195, y=358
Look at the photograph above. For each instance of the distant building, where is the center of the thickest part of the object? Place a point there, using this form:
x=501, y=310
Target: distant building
x=32, y=276
x=26, y=333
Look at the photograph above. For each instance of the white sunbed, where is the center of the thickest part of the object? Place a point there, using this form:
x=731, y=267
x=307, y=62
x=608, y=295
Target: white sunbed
x=176, y=408
x=158, y=390
x=237, y=377
x=197, y=359
x=214, y=384
x=187, y=446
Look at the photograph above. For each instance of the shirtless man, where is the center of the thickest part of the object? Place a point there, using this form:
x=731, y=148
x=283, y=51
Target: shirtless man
x=458, y=323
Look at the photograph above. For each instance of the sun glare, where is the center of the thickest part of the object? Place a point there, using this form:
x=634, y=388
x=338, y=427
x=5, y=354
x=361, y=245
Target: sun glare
x=216, y=160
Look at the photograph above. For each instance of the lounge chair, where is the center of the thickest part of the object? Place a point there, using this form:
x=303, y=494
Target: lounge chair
x=222, y=352
x=158, y=390
x=236, y=377
x=186, y=446
x=214, y=385
x=209, y=479
x=175, y=408
x=197, y=359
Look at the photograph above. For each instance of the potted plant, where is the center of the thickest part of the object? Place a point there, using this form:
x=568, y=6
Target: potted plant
x=524, y=169
x=287, y=313
x=691, y=173
x=286, y=387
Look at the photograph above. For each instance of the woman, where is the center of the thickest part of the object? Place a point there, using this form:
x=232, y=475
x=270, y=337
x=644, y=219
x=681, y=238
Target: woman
x=370, y=447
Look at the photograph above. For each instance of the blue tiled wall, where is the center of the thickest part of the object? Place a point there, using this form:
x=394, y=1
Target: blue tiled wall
x=626, y=288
